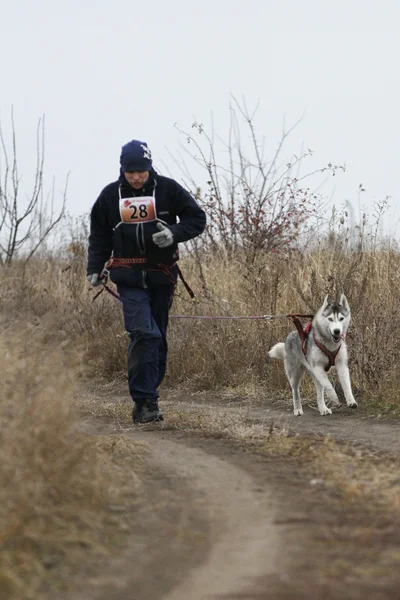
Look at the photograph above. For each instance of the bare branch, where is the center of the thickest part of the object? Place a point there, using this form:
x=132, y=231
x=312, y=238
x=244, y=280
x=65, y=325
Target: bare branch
x=25, y=226
x=253, y=204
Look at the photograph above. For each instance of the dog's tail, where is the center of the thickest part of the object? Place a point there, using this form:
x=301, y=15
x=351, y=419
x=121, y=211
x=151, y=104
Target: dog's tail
x=277, y=351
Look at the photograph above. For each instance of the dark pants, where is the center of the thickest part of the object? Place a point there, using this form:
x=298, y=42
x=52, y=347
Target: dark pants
x=146, y=320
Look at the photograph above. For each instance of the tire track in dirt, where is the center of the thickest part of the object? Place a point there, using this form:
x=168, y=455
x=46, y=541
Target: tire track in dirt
x=245, y=541
x=205, y=528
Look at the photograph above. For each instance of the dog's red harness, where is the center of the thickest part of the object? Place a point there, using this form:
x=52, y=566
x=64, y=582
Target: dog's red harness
x=304, y=334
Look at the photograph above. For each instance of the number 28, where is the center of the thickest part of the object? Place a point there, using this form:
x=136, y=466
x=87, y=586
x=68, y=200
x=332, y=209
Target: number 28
x=141, y=209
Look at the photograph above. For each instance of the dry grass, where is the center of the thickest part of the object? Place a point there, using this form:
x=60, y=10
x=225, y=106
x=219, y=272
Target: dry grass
x=56, y=483
x=218, y=355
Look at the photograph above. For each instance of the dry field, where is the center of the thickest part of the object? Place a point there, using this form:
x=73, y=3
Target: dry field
x=70, y=493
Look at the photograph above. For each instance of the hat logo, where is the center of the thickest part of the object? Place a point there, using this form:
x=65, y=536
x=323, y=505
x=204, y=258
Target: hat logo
x=146, y=152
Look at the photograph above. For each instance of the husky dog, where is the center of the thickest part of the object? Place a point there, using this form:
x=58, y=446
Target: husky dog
x=317, y=349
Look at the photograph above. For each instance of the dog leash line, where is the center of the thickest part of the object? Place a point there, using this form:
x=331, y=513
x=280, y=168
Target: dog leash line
x=213, y=317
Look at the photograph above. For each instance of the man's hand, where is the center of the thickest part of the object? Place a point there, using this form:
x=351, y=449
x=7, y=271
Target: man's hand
x=164, y=238
x=94, y=279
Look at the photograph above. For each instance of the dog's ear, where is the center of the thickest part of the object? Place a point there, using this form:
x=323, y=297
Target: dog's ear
x=344, y=302
x=325, y=304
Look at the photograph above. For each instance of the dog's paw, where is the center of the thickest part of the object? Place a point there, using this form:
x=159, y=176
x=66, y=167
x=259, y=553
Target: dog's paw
x=298, y=412
x=352, y=404
x=325, y=411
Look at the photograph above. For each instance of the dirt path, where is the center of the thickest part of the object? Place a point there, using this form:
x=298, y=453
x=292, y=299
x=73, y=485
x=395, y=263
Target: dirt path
x=243, y=540
x=345, y=424
x=214, y=522
x=205, y=527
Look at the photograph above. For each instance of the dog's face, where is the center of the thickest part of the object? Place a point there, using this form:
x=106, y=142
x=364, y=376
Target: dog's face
x=335, y=318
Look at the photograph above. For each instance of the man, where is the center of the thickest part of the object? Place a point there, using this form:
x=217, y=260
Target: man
x=134, y=221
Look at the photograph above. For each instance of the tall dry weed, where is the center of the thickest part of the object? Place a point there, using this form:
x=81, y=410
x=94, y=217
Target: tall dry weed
x=55, y=481
x=227, y=353
x=212, y=354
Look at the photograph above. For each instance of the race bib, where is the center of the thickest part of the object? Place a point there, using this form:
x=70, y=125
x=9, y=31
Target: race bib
x=139, y=209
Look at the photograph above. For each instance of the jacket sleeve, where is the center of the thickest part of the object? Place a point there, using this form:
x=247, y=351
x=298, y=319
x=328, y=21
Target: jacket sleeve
x=192, y=218
x=100, y=237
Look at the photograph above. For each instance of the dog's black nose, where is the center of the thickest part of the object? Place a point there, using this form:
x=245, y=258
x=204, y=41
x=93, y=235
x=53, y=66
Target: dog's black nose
x=336, y=332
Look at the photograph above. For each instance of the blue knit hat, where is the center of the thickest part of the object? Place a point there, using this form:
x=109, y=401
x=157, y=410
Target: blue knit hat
x=135, y=156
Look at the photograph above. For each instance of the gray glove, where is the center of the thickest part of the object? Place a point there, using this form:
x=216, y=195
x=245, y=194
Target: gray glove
x=94, y=279
x=164, y=238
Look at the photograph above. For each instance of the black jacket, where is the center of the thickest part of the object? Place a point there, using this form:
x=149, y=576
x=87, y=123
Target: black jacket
x=109, y=236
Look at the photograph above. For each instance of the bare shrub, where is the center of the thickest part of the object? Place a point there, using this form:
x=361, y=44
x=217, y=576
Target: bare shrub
x=254, y=203
x=25, y=224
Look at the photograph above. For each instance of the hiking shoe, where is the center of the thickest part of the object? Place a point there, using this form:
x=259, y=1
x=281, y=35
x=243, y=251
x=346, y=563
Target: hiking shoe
x=147, y=412
x=137, y=408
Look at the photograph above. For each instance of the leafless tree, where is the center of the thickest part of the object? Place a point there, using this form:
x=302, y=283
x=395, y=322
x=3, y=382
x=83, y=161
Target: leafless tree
x=25, y=223
x=253, y=202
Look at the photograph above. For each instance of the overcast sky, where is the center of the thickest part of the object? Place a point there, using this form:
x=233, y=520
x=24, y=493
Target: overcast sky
x=109, y=71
